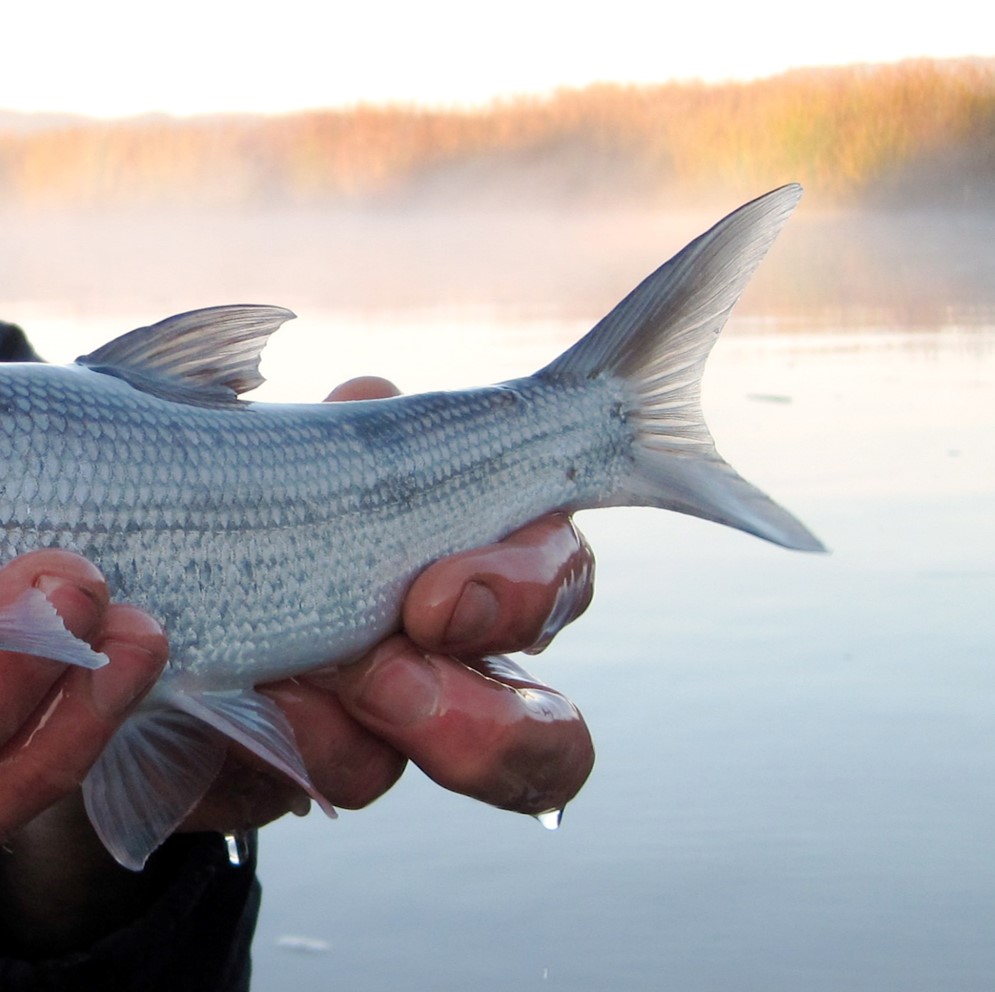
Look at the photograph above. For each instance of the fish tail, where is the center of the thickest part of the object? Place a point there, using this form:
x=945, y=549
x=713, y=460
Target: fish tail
x=656, y=341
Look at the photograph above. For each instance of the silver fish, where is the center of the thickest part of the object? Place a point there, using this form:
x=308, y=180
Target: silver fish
x=271, y=539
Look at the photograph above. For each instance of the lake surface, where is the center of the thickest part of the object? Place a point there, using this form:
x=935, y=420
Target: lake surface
x=795, y=786
x=794, y=782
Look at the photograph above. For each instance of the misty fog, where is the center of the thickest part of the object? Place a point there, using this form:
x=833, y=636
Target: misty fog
x=905, y=267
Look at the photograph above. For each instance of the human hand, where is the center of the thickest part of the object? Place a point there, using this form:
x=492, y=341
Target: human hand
x=480, y=725
x=56, y=719
x=58, y=886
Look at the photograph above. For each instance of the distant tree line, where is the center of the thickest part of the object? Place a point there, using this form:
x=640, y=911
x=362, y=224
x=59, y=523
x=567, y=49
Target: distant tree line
x=919, y=131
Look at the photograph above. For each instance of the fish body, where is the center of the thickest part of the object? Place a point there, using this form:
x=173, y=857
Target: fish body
x=271, y=539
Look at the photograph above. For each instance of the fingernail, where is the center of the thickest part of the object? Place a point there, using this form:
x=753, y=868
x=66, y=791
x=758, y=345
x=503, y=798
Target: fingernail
x=402, y=690
x=475, y=614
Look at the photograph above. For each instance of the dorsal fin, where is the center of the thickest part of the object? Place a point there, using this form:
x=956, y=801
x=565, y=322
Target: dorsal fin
x=202, y=357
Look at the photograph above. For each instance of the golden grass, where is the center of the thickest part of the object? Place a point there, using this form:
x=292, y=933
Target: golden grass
x=915, y=130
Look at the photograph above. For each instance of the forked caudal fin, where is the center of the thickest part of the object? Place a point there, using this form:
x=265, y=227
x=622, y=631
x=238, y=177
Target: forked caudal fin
x=657, y=341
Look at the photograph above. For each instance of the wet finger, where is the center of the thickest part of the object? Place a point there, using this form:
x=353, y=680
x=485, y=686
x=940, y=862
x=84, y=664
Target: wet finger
x=523, y=747
x=79, y=594
x=349, y=765
x=514, y=595
x=55, y=747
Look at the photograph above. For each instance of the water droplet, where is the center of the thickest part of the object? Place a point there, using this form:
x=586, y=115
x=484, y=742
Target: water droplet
x=237, y=842
x=550, y=819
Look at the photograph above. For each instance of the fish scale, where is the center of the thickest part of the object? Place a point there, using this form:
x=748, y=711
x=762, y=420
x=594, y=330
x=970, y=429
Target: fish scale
x=268, y=491
x=270, y=540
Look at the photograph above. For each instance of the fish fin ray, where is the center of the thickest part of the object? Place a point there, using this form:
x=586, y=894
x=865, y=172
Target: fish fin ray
x=257, y=723
x=202, y=357
x=148, y=779
x=656, y=342
x=674, y=316
x=31, y=625
x=162, y=761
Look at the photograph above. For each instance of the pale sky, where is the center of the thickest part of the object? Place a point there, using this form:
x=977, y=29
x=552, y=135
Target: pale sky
x=121, y=57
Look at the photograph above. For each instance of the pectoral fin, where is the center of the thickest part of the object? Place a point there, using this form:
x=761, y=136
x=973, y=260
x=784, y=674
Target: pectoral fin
x=31, y=625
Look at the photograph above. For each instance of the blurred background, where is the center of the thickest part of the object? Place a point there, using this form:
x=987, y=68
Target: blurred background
x=794, y=785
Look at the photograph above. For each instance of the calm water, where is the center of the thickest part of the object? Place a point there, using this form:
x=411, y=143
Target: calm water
x=794, y=787
x=794, y=784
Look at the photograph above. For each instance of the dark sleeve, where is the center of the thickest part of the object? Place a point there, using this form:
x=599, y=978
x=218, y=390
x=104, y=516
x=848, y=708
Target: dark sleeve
x=14, y=345
x=195, y=937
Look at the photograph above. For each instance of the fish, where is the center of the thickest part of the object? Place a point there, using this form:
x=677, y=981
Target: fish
x=272, y=539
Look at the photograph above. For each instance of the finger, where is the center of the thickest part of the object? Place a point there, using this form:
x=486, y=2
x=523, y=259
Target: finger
x=365, y=387
x=246, y=794
x=523, y=746
x=79, y=594
x=510, y=596
x=349, y=765
x=52, y=752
